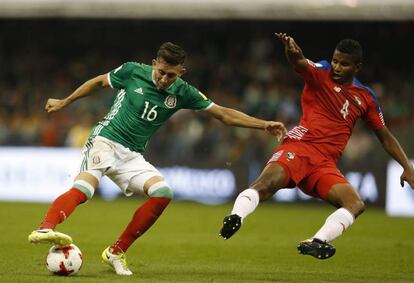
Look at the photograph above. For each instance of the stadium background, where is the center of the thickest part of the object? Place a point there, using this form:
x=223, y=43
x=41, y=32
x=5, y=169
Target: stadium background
x=233, y=58
x=48, y=48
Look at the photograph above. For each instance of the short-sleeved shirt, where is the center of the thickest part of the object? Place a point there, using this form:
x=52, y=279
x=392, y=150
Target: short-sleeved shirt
x=330, y=110
x=140, y=108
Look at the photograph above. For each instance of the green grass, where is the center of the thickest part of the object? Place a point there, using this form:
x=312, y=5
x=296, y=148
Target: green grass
x=184, y=245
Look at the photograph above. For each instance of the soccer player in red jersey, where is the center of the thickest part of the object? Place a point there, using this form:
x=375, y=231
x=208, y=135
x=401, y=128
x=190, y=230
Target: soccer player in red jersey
x=332, y=101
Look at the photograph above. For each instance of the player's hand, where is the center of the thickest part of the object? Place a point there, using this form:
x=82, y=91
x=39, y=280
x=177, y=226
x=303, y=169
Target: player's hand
x=407, y=176
x=276, y=129
x=53, y=105
x=289, y=42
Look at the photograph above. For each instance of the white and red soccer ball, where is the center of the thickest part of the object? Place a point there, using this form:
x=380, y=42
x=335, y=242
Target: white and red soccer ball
x=64, y=261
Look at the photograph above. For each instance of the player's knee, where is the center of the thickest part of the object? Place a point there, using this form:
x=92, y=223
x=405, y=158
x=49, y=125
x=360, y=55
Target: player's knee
x=269, y=182
x=262, y=189
x=264, y=194
x=359, y=207
x=266, y=188
x=161, y=190
x=86, y=188
x=356, y=207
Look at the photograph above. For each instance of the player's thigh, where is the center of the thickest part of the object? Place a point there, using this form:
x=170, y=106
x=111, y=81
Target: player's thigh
x=98, y=157
x=272, y=178
x=98, y=154
x=136, y=176
x=294, y=162
x=141, y=182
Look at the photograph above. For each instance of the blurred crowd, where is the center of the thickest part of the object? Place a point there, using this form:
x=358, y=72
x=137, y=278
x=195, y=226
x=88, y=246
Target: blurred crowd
x=236, y=64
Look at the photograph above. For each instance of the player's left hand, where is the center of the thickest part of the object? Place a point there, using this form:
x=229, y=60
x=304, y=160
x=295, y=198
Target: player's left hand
x=53, y=105
x=276, y=128
x=407, y=176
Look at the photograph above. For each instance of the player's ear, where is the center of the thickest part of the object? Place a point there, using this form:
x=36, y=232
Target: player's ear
x=183, y=71
x=358, y=67
x=154, y=62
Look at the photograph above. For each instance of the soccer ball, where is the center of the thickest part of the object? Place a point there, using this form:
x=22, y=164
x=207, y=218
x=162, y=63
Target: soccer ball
x=64, y=261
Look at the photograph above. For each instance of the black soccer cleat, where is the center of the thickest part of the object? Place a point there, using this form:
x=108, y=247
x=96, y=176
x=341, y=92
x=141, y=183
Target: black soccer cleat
x=231, y=224
x=316, y=248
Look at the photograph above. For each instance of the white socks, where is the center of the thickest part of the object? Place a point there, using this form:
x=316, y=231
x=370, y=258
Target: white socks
x=246, y=202
x=335, y=225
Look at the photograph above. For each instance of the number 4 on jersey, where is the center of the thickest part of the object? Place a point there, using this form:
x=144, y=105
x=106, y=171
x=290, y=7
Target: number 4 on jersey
x=344, y=111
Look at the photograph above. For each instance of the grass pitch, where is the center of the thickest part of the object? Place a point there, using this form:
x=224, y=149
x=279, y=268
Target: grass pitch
x=184, y=245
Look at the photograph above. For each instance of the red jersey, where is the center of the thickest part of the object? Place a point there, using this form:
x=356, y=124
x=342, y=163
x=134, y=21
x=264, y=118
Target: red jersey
x=330, y=110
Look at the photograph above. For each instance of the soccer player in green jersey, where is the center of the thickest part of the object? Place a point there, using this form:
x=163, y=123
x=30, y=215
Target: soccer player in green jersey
x=147, y=97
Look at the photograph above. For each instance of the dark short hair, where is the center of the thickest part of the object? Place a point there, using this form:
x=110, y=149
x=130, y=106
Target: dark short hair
x=171, y=53
x=351, y=47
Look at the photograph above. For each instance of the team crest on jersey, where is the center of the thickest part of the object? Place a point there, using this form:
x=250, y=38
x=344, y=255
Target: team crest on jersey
x=96, y=160
x=337, y=89
x=290, y=155
x=170, y=101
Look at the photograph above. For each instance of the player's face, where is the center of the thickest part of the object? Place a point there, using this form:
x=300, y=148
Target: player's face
x=165, y=74
x=344, y=68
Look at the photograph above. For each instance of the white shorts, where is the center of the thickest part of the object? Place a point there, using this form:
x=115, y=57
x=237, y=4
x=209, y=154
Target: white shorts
x=102, y=156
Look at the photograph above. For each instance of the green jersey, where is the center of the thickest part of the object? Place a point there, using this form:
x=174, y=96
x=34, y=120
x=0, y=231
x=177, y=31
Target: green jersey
x=140, y=108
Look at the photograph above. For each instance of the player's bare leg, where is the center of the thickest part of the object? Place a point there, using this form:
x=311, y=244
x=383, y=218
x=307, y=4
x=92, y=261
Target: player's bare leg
x=350, y=205
x=270, y=180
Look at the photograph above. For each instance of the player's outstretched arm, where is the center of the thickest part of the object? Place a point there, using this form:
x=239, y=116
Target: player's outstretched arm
x=293, y=52
x=232, y=117
x=394, y=149
x=87, y=88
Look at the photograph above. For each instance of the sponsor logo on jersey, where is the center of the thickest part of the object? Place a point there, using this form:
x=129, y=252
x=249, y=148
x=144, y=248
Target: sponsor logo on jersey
x=170, y=101
x=139, y=90
x=290, y=155
x=337, y=89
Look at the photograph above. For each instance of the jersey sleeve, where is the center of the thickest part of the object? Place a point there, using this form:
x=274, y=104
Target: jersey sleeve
x=374, y=117
x=312, y=74
x=196, y=100
x=118, y=77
